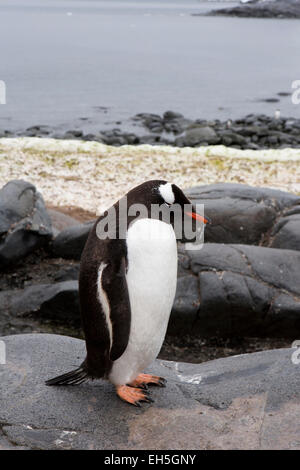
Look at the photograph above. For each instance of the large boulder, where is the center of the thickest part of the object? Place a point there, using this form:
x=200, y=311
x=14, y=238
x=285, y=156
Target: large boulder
x=286, y=232
x=60, y=221
x=198, y=135
x=237, y=290
x=58, y=302
x=69, y=243
x=249, y=215
x=24, y=222
x=243, y=402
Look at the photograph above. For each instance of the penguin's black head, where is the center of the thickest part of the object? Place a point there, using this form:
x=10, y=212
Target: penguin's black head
x=167, y=202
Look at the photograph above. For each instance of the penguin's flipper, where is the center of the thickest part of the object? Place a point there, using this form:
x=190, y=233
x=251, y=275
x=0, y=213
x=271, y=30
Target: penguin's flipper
x=75, y=377
x=115, y=286
x=105, y=306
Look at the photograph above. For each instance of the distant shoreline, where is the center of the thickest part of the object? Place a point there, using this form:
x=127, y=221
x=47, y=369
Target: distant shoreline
x=281, y=9
x=254, y=132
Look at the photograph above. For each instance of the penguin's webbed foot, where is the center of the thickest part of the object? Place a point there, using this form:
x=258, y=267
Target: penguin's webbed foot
x=132, y=395
x=142, y=380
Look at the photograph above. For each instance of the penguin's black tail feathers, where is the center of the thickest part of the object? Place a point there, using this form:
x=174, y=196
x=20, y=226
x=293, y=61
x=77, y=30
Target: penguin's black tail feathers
x=75, y=377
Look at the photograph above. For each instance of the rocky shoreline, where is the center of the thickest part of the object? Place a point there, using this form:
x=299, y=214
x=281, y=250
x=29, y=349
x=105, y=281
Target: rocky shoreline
x=254, y=131
x=281, y=9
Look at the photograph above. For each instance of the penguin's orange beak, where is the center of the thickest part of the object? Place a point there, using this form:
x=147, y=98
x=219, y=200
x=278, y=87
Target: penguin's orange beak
x=198, y=217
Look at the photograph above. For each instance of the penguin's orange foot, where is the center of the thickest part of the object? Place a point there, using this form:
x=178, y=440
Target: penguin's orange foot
x=142, y=380
x=132, y=395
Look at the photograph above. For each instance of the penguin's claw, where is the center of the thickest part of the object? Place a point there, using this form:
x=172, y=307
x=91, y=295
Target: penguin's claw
x=142, y=380
x=133, y=395
x=138, y=384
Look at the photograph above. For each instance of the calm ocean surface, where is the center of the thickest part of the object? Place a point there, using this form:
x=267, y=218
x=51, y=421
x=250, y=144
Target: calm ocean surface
x=88, y=64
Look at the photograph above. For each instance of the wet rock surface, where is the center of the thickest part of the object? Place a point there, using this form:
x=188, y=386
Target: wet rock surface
x=244, y=402
x=263, y=9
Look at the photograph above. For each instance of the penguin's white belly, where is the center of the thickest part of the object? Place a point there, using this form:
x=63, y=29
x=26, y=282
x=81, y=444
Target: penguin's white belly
x=151, y=280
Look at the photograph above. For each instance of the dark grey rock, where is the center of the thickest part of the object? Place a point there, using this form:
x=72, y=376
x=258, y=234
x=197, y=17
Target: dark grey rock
x=70, y=242
x=252, y=146
x=286, y=233
x=179, y=141
x=232, y=137
x=150, y=139
x=254, y=130
x=271, y=100
x=245, y=214
x=60, y=221
x=39, y=130
x=174, y=127
x=149, y=116
x=242, y=290
x=70, y=273
x=115, y=140
x=200, y=135
x=55, y=302
x=25, y=224
x=156, y=129
x=232, y=304
x=132, y=139
x=277, y=268
x=284, y=93
x=273, y=139
x=186, y=303
x=75, y=133
x=90, y=137
x=243, y=402
x=171, y=115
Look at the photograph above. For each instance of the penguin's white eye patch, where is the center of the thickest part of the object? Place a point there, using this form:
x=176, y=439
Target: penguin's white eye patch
x=166, y=193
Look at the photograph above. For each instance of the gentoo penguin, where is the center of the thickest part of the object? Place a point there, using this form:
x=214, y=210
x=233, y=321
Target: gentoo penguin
x=127, y=287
